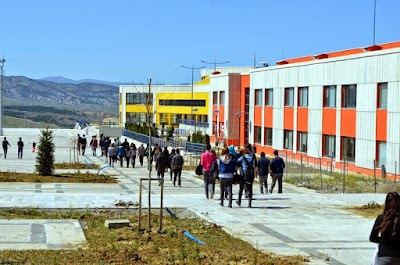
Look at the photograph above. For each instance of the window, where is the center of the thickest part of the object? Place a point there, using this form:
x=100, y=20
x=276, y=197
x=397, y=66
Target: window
x=349, y=96
x=329, y=142
x=258, y=97
x=164, y=118
x=289, y=94
x=330, y=96
x=382, y=95
x=303, y=97
x=268, y=97
x=288, y=140
x=138, y=98
x=257, y=135
x=136, y=117
x=268, y=136
x=381, y=159
x=129, y=98
x=222, y=98
x=302, y=140
x=183, y=102
x=215, y=98
x=348, y=149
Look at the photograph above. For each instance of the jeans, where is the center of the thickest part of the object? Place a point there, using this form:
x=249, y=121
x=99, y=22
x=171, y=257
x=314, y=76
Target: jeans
x=263, y=183
x=208, y=182
x=20, y=152
x=177, y=174
x=226, y=186
x=274, y=178
x=248, y=186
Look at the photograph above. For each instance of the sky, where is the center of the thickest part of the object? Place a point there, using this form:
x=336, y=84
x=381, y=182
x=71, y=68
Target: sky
x=133, y=41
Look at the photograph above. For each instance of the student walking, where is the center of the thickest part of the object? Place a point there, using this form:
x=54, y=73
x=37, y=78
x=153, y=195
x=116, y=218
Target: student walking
x=20, y=145
x=226, y=166
x=33, y=147
x=111, y=155
x=177, y=164
x=277, y=166
x=206, y=160
x=263, y=171
x=386, y=232
x=161, y=164
x=6, y=144
x=141, y=153
x=83, y=144
x=249, y=164
x=171, y=171
x=133, y=154
x=121, y=153
x=94, y=144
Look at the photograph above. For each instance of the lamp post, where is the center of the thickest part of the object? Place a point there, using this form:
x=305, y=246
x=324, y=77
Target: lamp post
x=2, y=61
x=239, y=115
x=192, y=68
x=195, y=119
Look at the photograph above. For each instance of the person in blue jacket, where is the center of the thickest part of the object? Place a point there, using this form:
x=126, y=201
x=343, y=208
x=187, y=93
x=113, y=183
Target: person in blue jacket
x=249, y=166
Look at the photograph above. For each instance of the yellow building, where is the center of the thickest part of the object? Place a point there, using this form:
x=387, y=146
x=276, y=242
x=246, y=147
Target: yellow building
x=168, y=104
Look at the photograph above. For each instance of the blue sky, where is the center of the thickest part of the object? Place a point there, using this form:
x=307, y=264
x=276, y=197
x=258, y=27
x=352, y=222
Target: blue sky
x=132, y=41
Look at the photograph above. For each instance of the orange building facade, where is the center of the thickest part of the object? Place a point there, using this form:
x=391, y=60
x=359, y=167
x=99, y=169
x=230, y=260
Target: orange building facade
x=341, y=108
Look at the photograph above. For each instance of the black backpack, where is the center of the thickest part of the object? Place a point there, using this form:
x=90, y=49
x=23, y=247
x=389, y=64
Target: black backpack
x=249, y=172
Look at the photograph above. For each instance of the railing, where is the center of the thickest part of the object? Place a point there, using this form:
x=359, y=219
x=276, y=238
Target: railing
x=194, y=123
x=144, y=138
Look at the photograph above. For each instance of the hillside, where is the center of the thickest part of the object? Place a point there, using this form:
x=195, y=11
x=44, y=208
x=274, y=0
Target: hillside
x=56, y=103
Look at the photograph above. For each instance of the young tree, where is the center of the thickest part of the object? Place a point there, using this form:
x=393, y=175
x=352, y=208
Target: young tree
x=45, y=154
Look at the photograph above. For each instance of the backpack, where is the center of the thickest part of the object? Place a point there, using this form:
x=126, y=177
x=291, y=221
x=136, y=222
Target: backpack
x=249, y=172
x=214, y=167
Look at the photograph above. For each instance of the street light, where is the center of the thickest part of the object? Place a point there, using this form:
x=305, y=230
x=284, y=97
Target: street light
x=239, y=115
x=2, y=61
x=195, y=120
x=192, y=68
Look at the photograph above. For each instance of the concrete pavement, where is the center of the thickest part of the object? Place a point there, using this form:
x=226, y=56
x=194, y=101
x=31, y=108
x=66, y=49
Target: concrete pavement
x=297, y=222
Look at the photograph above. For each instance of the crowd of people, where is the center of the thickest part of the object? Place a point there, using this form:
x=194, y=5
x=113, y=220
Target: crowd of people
x=20, y=146
x=239, y=168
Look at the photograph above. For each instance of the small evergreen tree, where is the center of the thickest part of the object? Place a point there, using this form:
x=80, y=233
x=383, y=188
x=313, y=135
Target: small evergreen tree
x=45, y=154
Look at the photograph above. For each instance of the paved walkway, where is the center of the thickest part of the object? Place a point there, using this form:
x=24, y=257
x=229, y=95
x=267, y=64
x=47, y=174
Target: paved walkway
x=297, y=222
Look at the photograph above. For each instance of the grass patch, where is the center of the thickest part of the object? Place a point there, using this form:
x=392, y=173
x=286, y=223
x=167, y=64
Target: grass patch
x=74, y=166
x=127, y=246
x=371, y=210
x=60, y=178
x=338, y=183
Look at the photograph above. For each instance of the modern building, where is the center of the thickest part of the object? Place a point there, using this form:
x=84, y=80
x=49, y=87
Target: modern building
x=341, y=107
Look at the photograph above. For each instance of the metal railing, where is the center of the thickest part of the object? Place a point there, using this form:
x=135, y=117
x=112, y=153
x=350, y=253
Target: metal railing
x=144, y=138
x=194, y=123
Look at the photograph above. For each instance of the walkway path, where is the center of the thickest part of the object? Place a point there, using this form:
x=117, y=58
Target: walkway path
x=297, y=222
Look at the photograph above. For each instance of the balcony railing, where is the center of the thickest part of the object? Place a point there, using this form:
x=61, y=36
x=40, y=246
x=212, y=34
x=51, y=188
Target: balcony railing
x=194, y=123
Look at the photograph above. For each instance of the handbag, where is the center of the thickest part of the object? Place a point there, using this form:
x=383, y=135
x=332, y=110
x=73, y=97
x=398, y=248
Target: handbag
x=199, y=170
x=237, y=178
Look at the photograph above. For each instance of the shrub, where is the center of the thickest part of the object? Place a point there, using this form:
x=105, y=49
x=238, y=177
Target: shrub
x=45, y=155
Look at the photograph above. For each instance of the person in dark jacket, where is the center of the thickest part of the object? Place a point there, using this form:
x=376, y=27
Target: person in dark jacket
x=263, y=171
x=386, y=231
x=226, y=166
x=6, y=144
x=249, y=164
x=277, y=166
x=171, y=155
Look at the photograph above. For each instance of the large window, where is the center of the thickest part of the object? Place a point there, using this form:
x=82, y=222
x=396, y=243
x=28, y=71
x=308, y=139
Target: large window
x=289, y=94
x=215, y=98
x=183, y=102
x=257, y=135
x=268, y=136
x=222, y=98
x=268, y=97
x=288, y=140
x=381, y=152
x=258, y=97
x=136, y=117
x=330, y=96
x=382, y=95
x=302, y=140
x=138, y=98
x=348, y=149
x=329, y=148
x=303, y=97
x=349, y=96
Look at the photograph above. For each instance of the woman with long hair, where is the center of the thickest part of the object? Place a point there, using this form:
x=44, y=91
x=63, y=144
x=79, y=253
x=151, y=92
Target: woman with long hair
x=226, y=165
x=386, y=231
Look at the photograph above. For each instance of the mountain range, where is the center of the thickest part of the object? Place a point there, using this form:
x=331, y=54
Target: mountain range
x=63, y=80
x=44, y=100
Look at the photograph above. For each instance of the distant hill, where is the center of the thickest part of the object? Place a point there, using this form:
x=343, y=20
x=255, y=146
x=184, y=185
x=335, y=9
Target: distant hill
x=63, y=80
x=59, y=103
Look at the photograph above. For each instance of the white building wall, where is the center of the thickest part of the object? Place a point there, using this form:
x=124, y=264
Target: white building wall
x=365, y=125
x=314, y=138
x=277, y=122
x=393, y=127
x=220, y=83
